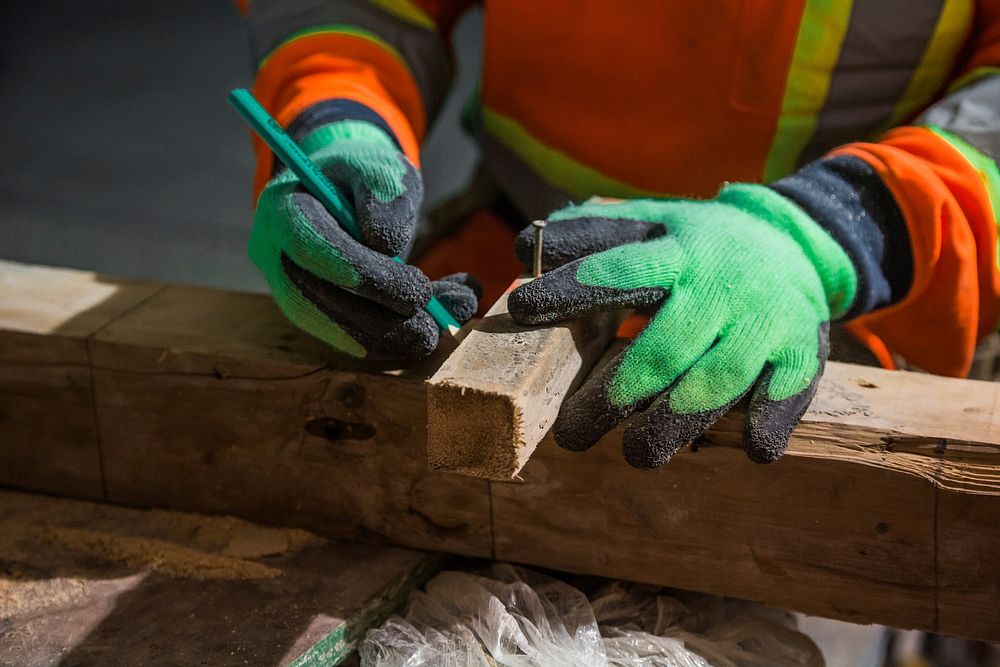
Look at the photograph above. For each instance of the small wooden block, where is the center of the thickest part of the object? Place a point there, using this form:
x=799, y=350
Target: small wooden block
x=497, y=395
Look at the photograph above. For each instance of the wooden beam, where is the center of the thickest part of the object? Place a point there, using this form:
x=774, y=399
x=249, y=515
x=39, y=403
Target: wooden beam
x=96, y=584
x=887, y=501
x=47, y=406
x=883, y=510
x=497, y=395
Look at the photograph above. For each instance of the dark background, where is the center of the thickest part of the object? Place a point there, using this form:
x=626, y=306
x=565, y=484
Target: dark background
x=119, y=150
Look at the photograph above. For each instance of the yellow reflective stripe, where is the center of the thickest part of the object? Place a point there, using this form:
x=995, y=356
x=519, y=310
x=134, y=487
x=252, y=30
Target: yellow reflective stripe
x=407, y=11
x=935, y=65
x=987, y=169
x=554, y=166
x=972, y=77
x=817, y=48
x=982, y=163
x=339, y=29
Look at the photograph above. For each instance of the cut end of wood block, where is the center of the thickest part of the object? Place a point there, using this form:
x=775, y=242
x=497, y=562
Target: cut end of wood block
x=487, y=446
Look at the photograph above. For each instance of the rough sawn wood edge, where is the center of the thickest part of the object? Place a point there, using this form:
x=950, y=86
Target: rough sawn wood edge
x=496, y=396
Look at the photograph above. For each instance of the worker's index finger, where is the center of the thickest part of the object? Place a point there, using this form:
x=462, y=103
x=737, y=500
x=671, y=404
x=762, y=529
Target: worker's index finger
x=399, y=287
x=559, y=295
x=384, y=334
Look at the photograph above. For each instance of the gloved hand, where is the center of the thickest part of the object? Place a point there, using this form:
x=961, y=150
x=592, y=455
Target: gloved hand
x=748, y=284
x=353, y=295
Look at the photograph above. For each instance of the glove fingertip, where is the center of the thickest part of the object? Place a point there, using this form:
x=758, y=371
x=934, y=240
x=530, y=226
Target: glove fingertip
x=412, y=339
x=764, y=442
x=590, y=413
x=522, y=304
x=409, y=295
x=546, y=299
x=769, y=423
x=579, y=424
x=660, y=432
x=460, y=294
x=644, y=446
x=387, y=225
x=572, y=432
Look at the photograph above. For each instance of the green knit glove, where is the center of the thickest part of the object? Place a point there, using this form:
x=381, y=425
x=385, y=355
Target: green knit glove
x=352, y=294
x=748, y=283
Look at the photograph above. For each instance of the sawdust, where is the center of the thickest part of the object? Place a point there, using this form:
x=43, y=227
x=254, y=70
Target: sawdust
x=51, y=539
x=22, y=597
x=231, y=537
x=154, y=555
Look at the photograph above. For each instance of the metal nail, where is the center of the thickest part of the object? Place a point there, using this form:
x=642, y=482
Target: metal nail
x=539, y=226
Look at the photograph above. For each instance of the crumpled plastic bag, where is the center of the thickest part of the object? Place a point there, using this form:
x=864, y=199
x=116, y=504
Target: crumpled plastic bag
x=516, y=617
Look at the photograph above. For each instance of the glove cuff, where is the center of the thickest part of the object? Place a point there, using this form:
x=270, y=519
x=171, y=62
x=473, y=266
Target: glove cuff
x=845, y=196
x=833, y=266
x=328, y=112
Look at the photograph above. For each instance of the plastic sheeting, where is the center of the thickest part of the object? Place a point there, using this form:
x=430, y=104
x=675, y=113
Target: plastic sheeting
x=515, y=617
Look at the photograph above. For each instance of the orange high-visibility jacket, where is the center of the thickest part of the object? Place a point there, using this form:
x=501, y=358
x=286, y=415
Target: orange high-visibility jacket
x=675, y=97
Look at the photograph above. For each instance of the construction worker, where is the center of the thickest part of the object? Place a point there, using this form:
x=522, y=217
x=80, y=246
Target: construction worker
x=781, y=165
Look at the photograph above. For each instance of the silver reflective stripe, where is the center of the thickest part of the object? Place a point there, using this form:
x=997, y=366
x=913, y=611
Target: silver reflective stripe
x=972, y=113
x=882, y=48
x=534, y=197
x=274, y=21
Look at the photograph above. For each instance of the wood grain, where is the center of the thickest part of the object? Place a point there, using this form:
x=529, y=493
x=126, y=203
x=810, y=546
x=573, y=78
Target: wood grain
x=498, y=394
x=279, y=428
x=48, y=438
x=883, y=510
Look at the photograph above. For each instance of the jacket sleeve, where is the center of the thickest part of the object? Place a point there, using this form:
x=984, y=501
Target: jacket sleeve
x=942, y=173
x=386, y=61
